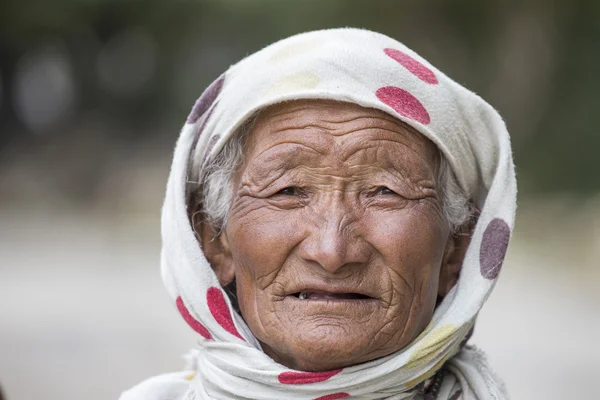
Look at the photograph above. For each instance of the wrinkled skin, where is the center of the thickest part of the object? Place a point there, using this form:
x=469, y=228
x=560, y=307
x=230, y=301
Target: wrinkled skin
x=339, y=202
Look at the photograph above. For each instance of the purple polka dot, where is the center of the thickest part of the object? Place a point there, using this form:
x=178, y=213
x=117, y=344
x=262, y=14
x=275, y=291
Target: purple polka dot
x=201, y=129
x=206, y=99
x=412, y=65
x=493, y=248
x=403, y=103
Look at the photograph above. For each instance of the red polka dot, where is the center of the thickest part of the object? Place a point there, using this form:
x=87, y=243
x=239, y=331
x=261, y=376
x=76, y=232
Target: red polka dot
x=334, y=396
x=415, y=67
x=206, y=99
x=192, y=322
x=303, y=378
x=219, y=310
x=403, y=103
x=493, y=248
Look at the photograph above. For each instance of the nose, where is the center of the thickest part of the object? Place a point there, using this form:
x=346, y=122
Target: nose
x=335, y=240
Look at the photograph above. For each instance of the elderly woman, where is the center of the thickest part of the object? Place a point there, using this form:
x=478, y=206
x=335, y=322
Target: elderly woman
x=336, y=215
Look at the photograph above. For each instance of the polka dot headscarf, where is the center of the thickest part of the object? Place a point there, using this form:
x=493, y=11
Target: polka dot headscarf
x=371, y=70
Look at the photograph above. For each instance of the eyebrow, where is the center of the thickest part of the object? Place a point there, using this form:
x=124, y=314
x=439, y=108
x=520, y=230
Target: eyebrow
x=291, y=155
x=283, y=156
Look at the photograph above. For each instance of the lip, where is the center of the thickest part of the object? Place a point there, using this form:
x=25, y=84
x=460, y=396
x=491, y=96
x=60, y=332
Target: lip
x=336, y=306
x=331, y=292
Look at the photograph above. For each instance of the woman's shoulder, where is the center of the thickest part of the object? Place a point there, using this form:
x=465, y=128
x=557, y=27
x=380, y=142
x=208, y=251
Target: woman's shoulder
x=172, y=386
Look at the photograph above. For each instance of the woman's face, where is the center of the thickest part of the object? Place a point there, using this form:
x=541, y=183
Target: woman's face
x=336, y=234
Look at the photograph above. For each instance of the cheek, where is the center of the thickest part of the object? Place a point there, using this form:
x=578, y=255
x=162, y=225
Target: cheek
x=409, y=237
x=411, y=244
x=260, y=243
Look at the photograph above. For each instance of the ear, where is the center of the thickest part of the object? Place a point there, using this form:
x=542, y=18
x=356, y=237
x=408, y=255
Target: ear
x=453, y=259
x=215, y=247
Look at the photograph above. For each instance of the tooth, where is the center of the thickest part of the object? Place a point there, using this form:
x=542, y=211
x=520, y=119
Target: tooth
x=303, y=296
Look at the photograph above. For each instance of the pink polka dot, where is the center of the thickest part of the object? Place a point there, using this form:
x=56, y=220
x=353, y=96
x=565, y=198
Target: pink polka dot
x=207, y=98
x=219, y=310
x=303, y=378
x=334, y=396
x=192, y=322
x=493, y=248
x=403, y=103
x=412, y=65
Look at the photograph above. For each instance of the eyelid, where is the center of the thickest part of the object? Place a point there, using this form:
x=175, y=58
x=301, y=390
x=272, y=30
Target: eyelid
x=287, y=188
x=382, y=187
x=298, y=191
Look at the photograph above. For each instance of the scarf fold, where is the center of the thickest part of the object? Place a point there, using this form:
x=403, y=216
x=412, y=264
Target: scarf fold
x=371, y=70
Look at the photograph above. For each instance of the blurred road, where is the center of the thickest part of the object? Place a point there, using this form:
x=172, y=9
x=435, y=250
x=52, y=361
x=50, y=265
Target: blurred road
x=84, y=315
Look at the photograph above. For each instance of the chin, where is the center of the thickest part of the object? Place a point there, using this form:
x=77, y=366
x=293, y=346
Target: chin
x=326, y=346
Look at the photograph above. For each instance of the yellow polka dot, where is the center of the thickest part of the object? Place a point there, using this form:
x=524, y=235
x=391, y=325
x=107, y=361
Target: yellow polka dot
x=190, y=376
x=292, y=50
x=430, y=372
x=299, y=81
x=430, y=345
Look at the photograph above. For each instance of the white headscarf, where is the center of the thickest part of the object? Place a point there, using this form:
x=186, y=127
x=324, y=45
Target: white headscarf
x=371, y=70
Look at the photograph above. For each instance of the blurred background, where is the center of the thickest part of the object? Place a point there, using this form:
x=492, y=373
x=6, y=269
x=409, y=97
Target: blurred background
x=92, y=96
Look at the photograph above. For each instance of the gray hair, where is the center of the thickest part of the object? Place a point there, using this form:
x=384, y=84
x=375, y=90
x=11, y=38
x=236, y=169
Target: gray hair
x=214, y=191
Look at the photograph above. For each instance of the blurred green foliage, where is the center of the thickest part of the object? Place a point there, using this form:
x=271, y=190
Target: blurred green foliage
x=536, y=61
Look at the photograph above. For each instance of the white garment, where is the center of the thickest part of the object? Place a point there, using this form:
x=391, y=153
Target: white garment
x=371, y=70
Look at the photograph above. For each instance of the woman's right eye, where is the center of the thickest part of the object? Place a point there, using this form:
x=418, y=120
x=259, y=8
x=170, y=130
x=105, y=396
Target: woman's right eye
x=289, y=191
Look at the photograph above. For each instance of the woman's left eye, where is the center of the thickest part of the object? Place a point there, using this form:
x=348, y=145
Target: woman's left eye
x=384, y=190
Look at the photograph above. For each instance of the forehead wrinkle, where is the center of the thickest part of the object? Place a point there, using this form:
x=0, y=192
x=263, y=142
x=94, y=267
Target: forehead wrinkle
x=325, y=107
x=318, y=115
x=407, y=163
x=275, y=164
x=348, y=125
x=347, y=154
x=314, y=127
x=279, y=149
x=303, y=113
x=270, y=138
x=267, y=171
x=275, y=155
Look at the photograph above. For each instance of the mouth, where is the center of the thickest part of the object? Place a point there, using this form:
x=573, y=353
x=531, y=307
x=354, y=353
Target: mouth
x=319, y=295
